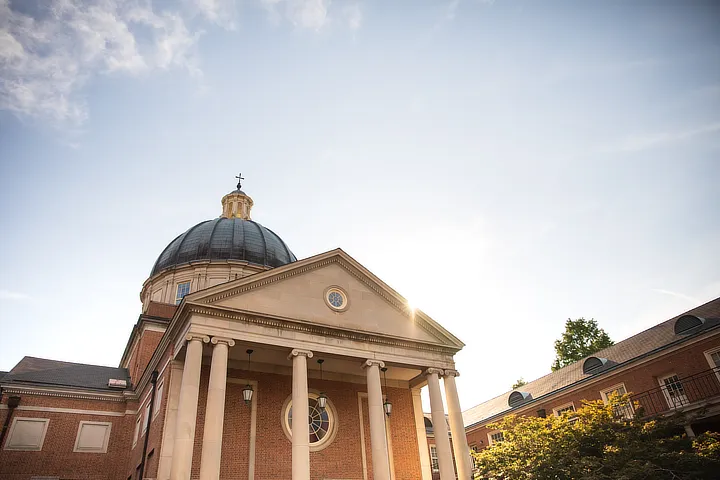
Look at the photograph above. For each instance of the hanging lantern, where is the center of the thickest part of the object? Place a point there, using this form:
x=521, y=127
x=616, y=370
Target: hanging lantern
x=248, y=390
x=247, y=393
x=322, y=398
x=387, y=406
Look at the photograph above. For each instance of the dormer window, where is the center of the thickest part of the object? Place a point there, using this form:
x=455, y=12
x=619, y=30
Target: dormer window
x=182, y=290
x=594, y=365
x=518, y=398
x=688, y=324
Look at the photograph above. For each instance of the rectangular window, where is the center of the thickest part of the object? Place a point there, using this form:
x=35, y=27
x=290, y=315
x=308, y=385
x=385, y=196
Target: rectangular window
x=474, y=449
x=136, y=435
x=624, y=411
x=158, y=398
x=27, y=434
x=434, y=459
x=568, y=407
x=92, y=437
x=146, y=418
x=713, y=358
x=182, y=290
x=673, y=391
x=495, y=437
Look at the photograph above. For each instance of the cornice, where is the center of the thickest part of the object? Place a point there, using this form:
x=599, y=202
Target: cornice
x=314, y=329
x=63, y=393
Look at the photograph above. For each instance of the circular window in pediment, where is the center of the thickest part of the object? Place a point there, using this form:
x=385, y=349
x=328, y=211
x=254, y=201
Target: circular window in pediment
x=336, y=298
x=321, y=422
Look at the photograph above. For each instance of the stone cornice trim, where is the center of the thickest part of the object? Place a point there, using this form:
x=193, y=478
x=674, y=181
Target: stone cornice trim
x=56, y=392
x=30, y=408
x=314, y=329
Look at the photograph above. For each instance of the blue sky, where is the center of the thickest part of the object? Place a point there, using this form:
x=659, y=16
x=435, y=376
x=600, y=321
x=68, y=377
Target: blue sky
x=504, y=165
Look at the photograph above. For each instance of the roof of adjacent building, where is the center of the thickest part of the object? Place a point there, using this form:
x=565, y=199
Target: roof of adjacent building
x=44, y=372
x=225, y=239
x=656, y=338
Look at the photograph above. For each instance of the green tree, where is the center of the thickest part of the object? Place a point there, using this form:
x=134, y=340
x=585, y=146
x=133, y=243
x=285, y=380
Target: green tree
x=580, y=339
x=597, y=445
x=519, y=383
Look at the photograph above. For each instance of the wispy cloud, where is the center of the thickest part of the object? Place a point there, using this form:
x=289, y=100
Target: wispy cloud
x=8, y=295
x=682, y=296
x=636, y=143
x=311, y=14
x=47, y=56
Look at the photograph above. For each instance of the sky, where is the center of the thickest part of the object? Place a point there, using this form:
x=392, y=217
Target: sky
x=504, y=165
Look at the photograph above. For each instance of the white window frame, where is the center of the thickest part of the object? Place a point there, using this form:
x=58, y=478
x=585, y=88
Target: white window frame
x=158, y=398
x=106, y=440
x=46, y=421
x=434, y=462
x=146, y=416
x=136, y=435
x=708, y=357
x=495, y=432
x=666, y=393
x=604, y=394
x=558, y=411
x=178, y=299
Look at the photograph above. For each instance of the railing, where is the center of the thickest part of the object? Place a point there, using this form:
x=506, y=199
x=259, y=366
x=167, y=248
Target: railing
x=675, y=394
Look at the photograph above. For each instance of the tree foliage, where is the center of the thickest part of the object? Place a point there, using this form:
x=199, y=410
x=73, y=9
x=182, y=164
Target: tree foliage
x=580, y=339
x=597, y=445
x=518, y=383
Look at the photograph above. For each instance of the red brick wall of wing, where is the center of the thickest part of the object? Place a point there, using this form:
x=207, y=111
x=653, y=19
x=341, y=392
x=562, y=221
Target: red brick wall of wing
x=683, y=362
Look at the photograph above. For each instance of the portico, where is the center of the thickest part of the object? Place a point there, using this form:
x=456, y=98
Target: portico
x=370, y=328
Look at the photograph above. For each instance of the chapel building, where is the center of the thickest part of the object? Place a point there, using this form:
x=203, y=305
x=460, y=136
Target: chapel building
x=245, y=363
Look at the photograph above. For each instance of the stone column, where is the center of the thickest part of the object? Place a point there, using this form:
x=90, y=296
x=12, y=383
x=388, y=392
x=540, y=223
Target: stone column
x=459, y=439
x=421, y=433
x=187, y=408
x=215, y=410
x=300, y=413
x=378, y=439
x=442, y=442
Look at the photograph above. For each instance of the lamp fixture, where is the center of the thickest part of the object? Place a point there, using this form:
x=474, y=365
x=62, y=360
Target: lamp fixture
x=322, y=398
x=387, y=406
x=248, y=390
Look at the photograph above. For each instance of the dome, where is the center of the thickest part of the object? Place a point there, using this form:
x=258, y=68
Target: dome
x=226, y=239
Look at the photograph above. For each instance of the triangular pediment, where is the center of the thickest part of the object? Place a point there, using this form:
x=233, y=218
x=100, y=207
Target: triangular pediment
x=299, y=291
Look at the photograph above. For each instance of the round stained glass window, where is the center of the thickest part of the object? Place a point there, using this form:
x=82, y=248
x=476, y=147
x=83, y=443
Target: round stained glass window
x=321, y=422
x=336, y=298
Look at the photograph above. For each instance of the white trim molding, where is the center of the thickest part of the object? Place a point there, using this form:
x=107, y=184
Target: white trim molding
x=96, y=449
x=14, y=444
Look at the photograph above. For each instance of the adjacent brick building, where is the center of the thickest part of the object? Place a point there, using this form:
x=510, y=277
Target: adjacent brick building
x=671, y=367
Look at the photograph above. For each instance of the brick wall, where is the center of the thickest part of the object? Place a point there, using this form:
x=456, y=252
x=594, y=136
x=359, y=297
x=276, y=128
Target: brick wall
x=684, y=362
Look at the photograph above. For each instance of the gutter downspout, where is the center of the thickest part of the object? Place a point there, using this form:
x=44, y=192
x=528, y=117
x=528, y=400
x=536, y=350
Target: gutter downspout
x=13, y=402
x=153, y=380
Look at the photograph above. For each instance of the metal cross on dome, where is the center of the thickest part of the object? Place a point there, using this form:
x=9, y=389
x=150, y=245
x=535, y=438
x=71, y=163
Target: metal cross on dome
x=240, y=179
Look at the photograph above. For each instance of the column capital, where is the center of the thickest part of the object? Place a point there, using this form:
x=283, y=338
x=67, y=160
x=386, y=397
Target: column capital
x=297, y=352
x=373, y=363
x=434, y=371
x=196, y=336
x=449, y=372
x=227, y=341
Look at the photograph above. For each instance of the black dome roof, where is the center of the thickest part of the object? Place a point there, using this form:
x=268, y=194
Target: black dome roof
x=226, y=239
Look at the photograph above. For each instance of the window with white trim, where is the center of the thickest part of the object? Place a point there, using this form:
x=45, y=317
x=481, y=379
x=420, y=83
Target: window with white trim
x=136, y=435
x=146, y=417
x=434, y=459
x=474, y=449
x=27, y=434
x=568, y=407
x=158, y=398
x=713, y=358
x=495, y=437
x=92, y=437
x=626, y=410
x=182, y=290
x=673, y=390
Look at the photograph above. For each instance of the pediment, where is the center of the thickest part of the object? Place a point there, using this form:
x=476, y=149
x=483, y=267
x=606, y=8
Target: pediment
x=298, y=291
